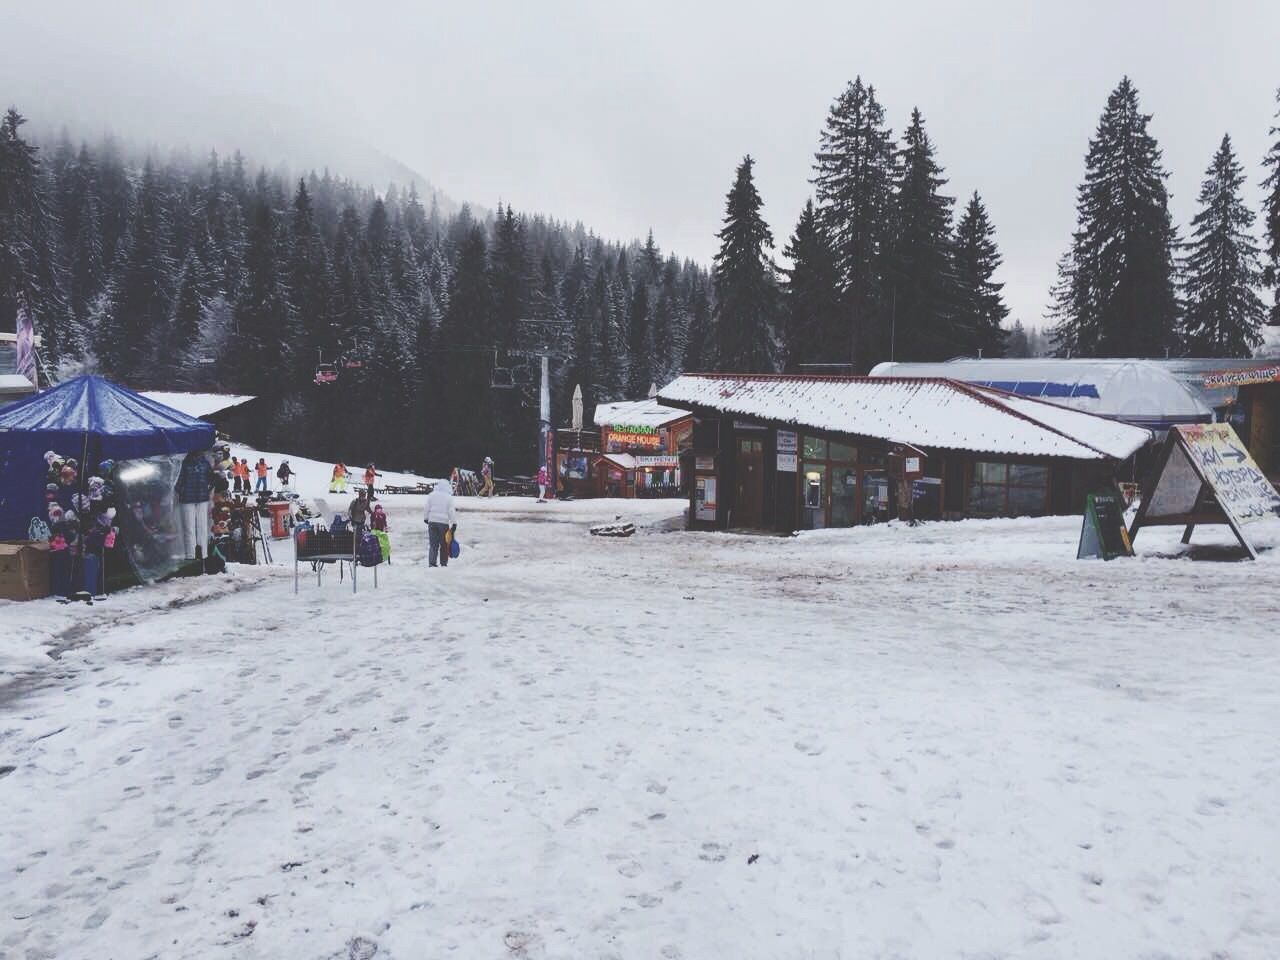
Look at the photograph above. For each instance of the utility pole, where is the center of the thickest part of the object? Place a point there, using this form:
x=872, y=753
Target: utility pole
x=546, y=435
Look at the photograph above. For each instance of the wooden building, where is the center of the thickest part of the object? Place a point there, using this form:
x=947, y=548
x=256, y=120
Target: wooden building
x=633, y=452
x=785, y=453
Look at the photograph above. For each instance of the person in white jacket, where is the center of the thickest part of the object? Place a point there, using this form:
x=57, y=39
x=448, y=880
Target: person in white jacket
x=439, y=517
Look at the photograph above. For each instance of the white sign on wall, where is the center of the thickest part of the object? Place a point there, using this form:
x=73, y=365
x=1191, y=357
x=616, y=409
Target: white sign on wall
x=787, y=442
x=787, y=462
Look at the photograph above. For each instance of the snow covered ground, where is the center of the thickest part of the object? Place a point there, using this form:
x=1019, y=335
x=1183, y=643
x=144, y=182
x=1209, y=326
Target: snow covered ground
x=948, y=741
x=313, y=475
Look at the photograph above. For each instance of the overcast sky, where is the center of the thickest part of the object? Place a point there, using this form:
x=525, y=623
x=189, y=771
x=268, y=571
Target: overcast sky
x=630, y=117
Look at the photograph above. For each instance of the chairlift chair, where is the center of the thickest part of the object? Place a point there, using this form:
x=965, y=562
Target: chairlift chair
x=326, y=373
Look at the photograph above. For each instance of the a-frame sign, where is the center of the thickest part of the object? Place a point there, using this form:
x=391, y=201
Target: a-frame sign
x=1206, y=475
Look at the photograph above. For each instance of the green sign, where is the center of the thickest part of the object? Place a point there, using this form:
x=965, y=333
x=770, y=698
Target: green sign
x=1103, y=534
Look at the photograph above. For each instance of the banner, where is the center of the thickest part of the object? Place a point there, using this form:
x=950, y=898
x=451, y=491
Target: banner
x=26, y=344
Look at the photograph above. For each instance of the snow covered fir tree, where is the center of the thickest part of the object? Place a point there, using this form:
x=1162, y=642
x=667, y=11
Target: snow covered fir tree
x=1223, y=313
x=202, y=275
x=1117, y=293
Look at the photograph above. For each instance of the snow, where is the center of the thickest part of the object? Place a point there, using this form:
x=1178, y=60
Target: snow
x=314, y=475
x=941, y=741
x=636, y=412
x=923, y=412
x=197, y=404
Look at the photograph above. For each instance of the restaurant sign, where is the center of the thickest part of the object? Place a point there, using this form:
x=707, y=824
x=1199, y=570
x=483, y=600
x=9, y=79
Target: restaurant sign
x=665, y=462
x=628, y=436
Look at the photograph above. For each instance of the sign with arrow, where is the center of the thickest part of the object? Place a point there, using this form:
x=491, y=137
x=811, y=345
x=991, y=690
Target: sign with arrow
x=1206, y=475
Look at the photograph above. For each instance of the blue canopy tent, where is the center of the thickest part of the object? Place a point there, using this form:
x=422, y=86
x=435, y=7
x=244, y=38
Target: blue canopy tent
x=92, y=420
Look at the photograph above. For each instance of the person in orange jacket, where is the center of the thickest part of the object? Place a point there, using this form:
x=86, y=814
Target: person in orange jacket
x=369, y=475
x=262, y=470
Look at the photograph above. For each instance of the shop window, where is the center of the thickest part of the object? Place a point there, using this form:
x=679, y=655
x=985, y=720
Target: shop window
x=877, y=505
x=873, y=458
x=1008, y=489
x=843, y=453
x=815, y=448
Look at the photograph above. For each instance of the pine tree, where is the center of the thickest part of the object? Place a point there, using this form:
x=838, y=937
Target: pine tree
x=310, y=281
x=1115, y=295
x=746, y=291
x=699, y=349
x=1016, y=342
x=263, y=313
x=813, y=318
x=853, y=177
x=134, y=328
x=29, y=256
x=1222, y=313
x=918, y=266
x=980, y=309
x=639, y=341
x=1271, y=221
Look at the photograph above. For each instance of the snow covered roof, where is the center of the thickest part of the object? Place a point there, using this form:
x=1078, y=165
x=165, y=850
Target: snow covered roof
x=15, y=385
x=624, y=460
x=649, y=413
x=197, y=404
x=924, y=412
x=1150, y=393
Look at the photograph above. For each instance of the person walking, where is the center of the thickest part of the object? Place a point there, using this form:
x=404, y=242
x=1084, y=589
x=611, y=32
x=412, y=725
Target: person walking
x=542, y=484
x=338, y=482
x=486, y=477
x=284, y=473
x=439, y=518
x=358, y=514
x=262, y=470
x=369, y=474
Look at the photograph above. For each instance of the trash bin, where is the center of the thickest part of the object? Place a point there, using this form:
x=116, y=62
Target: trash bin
x=278, y=510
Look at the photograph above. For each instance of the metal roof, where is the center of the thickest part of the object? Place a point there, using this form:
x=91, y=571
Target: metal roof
x=1147, y=392
x=920, y=411
x=648, y=413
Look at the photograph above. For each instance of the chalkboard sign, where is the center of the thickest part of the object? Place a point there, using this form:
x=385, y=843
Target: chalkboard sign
x=1103, y=533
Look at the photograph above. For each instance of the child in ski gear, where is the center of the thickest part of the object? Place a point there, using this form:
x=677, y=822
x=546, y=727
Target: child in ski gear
x=284, y=473
x=262, y=470
x=439, y=517
x=542, y=484
x=486, y=475
x=378, y=519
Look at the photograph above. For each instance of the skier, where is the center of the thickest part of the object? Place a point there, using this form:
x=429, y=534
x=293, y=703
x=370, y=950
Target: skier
x=240, y=474
x=284, y=473
x=486, y=475
x=378, y=519
x=262, y=470
x=542, y=484
x=338, y=482
x=439, y=518
x=369, y=474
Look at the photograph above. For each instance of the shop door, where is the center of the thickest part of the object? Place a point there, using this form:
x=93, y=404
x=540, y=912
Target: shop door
x=748, y=504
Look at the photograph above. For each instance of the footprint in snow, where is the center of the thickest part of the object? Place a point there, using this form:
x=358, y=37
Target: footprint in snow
x=712, y=853
x=580, y=816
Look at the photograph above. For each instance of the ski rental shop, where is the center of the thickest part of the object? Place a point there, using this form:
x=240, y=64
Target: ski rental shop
x=793, y=452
